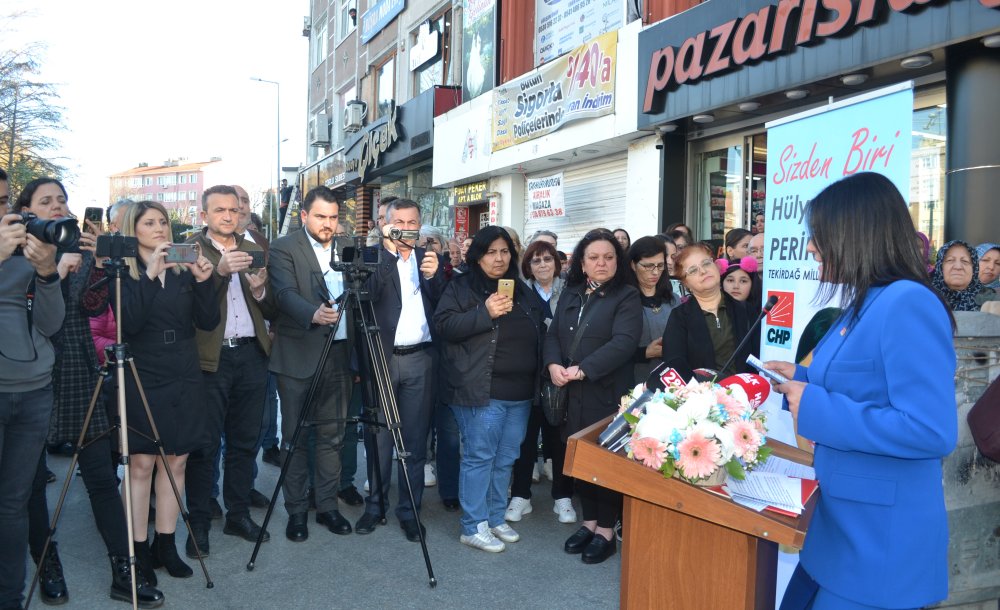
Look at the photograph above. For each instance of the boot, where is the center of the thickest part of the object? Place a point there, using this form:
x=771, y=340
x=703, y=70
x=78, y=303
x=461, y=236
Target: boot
x=144, y=562
x=164, y=552
x=121, y=585
x=51, y=584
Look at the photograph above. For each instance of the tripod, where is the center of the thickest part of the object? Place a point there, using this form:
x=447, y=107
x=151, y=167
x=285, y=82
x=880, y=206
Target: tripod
x=114, y=269
x=357, y=299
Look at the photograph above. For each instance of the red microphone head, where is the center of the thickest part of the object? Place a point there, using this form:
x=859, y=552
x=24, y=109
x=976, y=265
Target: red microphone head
x=671, y=377
x=756, y=387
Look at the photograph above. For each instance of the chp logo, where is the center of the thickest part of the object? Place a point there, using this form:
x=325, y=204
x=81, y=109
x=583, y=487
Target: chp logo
x=780, y=319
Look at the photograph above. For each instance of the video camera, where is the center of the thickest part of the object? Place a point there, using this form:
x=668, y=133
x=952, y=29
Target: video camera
x=64, y=233
x=396, y=233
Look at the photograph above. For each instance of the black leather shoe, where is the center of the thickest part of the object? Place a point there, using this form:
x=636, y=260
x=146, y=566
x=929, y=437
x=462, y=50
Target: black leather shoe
x=64, y=448
x=334, y=522
x=410, y=529
x=297, y=530
x=578, y=541
x=147, y=596
x=50, y=477
x=272, y=456
x=350, y=496
x=198, y=534
x=599, y=549
x=51, y=584
x=452, y=505
x=366, y=524
x=245, y=528
x=258, y=500
x=215, y=508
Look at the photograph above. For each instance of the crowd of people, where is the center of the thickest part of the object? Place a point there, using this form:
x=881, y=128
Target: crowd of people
x=468, y=329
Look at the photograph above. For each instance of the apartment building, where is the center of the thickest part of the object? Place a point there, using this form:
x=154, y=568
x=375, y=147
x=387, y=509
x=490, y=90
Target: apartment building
x=177, y=184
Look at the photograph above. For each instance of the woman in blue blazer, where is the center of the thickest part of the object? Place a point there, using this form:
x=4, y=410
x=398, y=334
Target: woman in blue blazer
x=878, y=400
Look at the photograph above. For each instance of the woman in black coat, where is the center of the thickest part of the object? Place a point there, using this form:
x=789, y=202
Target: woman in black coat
x=705, y=330
x=598, y=371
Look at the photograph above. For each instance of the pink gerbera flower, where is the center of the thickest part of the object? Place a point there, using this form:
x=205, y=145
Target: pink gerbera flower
x=733, y=407
x=745, y=437
x=649, y=451
x=697, y=456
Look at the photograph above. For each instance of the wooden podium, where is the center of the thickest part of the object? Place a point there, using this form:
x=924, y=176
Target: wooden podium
x=684, y=547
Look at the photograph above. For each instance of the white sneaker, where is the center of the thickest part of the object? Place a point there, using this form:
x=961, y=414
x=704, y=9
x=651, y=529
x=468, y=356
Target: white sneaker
x=547, y=469
x=430, y=479
x=518, y=508
x=535, y=477
x=483, y=539
x=367, y=488
x=564, y=508
x=505, y=533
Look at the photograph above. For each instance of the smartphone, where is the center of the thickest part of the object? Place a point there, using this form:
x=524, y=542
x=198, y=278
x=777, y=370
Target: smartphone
x=95, y=216
x=506, y=288
x=182, y=253
x=772, y=376
x=257, y=259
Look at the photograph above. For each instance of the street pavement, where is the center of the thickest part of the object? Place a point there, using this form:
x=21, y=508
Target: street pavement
x=379, y=570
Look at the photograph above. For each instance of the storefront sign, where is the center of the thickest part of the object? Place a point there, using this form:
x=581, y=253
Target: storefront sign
x=461, y=223
x=494, y=213
x=805, y=153
x=378, y=16
x=561, y=25
x=579, y=85
x=545, y=197
x=469, y=194
x=374, y=145
x=478, y=48
x=426, y=47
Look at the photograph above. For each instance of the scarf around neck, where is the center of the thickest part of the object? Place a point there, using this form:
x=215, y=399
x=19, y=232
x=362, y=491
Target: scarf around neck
x=958, y=300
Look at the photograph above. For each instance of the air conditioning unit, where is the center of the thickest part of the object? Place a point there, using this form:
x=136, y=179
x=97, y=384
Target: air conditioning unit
x=319, y=130
x=354, y=115
x=306, y=26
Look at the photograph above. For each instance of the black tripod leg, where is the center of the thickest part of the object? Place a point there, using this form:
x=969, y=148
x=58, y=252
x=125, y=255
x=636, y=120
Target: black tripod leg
x=375, y=482
x=170, y=475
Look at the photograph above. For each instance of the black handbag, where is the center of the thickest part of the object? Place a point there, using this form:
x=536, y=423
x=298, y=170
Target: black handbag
x=555, y=399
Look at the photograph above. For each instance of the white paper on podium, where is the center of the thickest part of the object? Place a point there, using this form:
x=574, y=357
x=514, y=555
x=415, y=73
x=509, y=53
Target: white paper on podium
x=774, y=489
x=756, y=505
x=779, y=465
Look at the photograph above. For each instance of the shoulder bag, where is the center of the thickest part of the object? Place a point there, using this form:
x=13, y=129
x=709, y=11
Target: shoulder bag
x=555, y=399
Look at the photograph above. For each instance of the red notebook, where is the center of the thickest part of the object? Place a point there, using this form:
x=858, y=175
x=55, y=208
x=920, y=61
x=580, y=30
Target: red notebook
x=809, y=487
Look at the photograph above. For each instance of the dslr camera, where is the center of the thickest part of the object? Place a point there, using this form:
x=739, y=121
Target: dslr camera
x=64, y=233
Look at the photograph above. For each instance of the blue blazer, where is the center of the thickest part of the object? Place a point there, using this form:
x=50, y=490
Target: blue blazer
x=880, y=406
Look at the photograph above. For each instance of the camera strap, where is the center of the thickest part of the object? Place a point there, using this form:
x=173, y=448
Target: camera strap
x=29, y=301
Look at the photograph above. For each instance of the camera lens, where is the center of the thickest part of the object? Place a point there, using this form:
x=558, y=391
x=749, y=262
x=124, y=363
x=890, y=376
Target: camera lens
x=64, y=233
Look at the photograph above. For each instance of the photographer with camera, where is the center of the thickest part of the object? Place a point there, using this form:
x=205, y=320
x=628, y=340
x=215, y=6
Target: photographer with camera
x=162, y=305
x=31, y=312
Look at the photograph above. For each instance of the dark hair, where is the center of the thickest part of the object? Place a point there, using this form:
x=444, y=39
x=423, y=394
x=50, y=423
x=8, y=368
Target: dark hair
x=537, y=248
x=319, y=192
x=677, y=227
x=3, y=175
x=626, y=235
x=675, y=235
x=480, y=246
x=734, y=237
x=257, y=222
x=861, y=227
x=24, y=197
x=576, y=275
x=218, y=189
x=563, y=257
x=402, y=204
x=644, y=247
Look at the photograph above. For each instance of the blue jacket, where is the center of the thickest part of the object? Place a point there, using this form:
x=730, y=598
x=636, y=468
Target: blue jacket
x=880, y=406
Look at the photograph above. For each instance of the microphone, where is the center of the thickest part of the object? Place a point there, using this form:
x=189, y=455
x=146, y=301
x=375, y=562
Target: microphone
x=659, y=378
x=771, y=302
x=756, y=387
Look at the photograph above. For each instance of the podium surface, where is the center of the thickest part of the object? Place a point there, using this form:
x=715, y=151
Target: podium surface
x=684, y=547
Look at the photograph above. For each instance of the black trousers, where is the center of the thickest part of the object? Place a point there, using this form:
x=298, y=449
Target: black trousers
x=562, y=485
x=520, y=485
x=234, y=403
x=599, y=504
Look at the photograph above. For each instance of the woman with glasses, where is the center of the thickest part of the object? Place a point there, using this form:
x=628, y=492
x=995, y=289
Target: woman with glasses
x=703, y=332
x=541, y=268
x=648, y=265
x=599, y=304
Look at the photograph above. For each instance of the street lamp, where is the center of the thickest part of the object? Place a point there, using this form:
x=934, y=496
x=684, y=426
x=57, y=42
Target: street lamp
x=277, y=126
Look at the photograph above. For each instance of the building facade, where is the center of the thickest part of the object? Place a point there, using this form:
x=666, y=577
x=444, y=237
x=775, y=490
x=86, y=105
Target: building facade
x=177, y=184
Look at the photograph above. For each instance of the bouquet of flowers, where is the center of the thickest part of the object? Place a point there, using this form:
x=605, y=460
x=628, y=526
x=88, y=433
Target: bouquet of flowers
x=695, y=431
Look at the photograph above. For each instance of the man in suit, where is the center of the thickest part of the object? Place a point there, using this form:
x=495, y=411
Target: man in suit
x=405, y=290
x=234, y=365
x=305, y=286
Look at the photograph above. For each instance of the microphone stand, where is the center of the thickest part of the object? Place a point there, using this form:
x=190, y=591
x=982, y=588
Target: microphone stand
x=771, y=302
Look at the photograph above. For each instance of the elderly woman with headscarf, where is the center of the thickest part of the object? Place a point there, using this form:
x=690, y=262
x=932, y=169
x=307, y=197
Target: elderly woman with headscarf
x=989, y=272
x=956, y=276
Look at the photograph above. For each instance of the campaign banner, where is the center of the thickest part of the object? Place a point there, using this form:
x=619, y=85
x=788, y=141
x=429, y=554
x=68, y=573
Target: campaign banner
x=578, y=85
x=805, y=153
x=561, y=25
x=478, y=47
x=545, y=197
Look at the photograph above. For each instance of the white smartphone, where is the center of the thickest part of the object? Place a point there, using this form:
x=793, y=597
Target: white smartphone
x=772, y=376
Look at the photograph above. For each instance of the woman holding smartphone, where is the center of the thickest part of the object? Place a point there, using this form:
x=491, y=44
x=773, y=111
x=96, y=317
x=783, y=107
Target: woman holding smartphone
x=162, y=304
x=492, y=325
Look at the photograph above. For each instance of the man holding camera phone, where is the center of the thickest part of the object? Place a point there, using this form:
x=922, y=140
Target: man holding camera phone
x=234, y=365
x=31, y=311
x=405, y=290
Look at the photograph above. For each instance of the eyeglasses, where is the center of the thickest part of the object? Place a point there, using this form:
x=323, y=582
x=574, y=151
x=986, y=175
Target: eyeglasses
x=547, y=260
x=650, y=267
x=755, y=251
x=700, y=268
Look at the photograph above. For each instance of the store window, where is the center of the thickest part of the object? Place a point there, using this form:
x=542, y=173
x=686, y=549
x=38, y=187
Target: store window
x=416, y=184
x=347, y=19
x=385, y=85
x=436, y=72
x=928, y=165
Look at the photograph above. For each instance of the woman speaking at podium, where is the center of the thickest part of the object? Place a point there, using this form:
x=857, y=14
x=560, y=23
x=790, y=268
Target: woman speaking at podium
x=878, y=399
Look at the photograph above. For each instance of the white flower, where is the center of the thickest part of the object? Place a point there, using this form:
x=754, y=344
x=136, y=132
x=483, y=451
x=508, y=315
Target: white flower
x=659, y=422
x=697, y=406
x=739, y=394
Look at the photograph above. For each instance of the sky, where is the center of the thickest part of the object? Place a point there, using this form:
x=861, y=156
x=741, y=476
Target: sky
x=150, y=81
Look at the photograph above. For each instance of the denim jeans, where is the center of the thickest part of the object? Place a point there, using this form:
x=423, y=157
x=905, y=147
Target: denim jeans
x=24, y=423
x=491, y=441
